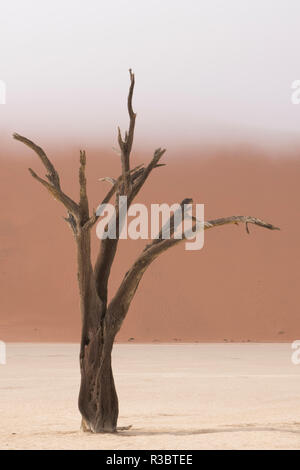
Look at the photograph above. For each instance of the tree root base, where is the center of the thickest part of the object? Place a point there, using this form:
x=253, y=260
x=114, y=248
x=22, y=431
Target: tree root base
x=86, y=428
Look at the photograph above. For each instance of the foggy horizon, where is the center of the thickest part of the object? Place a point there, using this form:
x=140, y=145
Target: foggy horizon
x=204, y=71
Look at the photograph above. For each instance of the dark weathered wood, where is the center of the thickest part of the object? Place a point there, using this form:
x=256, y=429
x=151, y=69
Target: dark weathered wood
x=98, y=401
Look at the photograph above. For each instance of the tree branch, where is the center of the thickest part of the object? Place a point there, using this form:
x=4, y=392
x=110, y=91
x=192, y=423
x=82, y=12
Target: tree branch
x=52, y=176
x=126, y=144
x=72, y=222
x=236, y=219
x=154, y=163
x=134, y=173
x=54, y=184
x=58, y=194
x=170, y=224
x=78, y=214
x=84, y=203
x=119, y=305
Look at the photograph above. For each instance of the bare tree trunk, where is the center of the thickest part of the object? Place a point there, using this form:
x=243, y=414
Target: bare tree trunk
x=98, y=400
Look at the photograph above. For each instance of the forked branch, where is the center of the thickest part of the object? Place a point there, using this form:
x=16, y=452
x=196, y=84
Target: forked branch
x=53, y=186
x=108, y=247
x=52, y=176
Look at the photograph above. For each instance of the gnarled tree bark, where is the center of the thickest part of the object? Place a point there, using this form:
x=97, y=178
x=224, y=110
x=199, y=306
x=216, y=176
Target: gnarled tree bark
x=98, y=401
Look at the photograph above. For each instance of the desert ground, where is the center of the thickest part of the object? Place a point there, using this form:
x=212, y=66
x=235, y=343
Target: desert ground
x=175, y=396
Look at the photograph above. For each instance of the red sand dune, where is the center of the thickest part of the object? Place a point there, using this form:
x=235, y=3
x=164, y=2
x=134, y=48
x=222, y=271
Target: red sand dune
x=240, y=287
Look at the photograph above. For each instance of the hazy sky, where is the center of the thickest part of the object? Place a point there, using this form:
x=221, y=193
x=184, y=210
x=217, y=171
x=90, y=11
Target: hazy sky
x=202, y=66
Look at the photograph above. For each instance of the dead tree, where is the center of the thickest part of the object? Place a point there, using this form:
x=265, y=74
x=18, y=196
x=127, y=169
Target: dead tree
x=101, y=320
